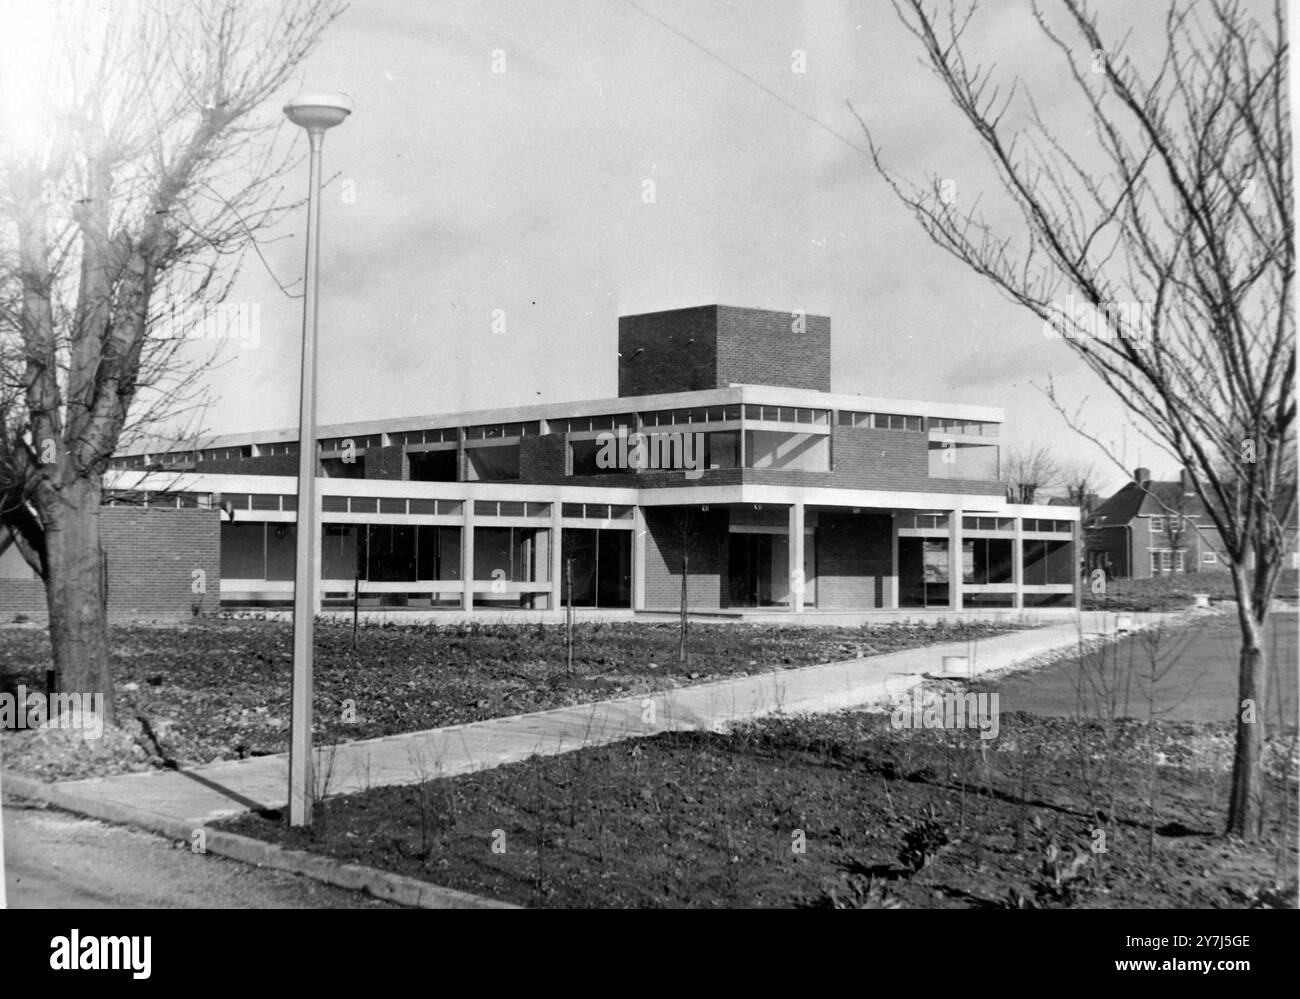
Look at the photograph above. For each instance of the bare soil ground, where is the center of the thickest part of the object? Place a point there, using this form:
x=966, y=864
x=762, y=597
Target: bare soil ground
x=219, y=690
x=839, y=811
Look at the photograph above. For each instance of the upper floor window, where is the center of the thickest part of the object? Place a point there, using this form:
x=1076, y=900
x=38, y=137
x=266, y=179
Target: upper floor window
x=590, y=424
x=897, y=421
x=786, y=414
x=491, y=431
x=700, y=414
x=977, y=428
x=1157, y=525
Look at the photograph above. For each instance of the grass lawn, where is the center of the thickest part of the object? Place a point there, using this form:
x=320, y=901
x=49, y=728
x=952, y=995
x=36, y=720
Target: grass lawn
x=1196, y=667
x=835, y=811
x=1175, y=592
x=213, y=690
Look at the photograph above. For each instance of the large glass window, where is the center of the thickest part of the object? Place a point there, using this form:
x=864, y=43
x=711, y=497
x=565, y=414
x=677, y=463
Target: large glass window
x=722, y=449
x=281, y=551
x=337, y=468
x=601, y=567
x=433, y=466
x=243, y=550
x=492, y=464
x=390, y=553
x=339, y=551
x=923, y=572
x=258, y=550
x=1047, y=562
x=950, y=459
x=775, y=449
x=586, y=457
x=986, y=561
x=437, y=552
x=512, y=554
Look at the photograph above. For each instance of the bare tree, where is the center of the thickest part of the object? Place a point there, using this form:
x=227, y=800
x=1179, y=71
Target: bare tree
x=1081, y=481
x=1168, y=218
x=1180, y=525
x=140, y=171
x=1027, y=471
x=686, y=532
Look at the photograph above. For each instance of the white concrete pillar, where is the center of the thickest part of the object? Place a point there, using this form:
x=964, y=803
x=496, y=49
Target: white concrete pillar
x=798, y=584
x=638, y=558
x=891, y=596
x=954, y=560
x=1018, y=562
x=1076, y=552
x=467, y=558
x=557, y=557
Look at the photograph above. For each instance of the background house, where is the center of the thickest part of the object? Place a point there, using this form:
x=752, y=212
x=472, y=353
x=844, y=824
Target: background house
x=1153, y=528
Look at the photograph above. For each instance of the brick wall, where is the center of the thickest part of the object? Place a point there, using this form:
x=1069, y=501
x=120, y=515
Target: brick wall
x=866, y=458
x=712, y=346
x=1109, y=543
x=270, y=464
x=656, y=352
x=386, y=462
x=152, y=554
x=707, y=585
x=854, y=556
x=542, y=459
x=758, y=347
x=22, y=596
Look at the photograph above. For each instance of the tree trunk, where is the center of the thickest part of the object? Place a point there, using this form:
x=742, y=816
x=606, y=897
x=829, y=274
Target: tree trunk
x=681, y=636
x=74, y=592
x=1246, y=801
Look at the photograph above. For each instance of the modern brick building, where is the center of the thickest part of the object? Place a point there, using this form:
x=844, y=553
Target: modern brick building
x=724, y=457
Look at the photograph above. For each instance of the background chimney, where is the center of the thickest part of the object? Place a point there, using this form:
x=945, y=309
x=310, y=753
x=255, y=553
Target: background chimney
x=1185, y=477
x=1142, y=476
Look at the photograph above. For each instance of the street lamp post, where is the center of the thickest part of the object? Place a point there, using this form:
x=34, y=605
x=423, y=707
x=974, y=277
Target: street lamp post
x=315, y=113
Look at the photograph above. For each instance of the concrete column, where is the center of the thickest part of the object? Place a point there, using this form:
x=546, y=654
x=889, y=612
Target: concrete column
x=638, y=558
x=891, y=596
x=954, y=560
x=557, y=557
x=1076, y=552
x=1018, y=562
x=467, y=558
x=798, y=585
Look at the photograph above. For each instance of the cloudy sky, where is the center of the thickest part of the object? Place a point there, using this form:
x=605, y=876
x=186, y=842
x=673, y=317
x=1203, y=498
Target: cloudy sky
x=459, y=190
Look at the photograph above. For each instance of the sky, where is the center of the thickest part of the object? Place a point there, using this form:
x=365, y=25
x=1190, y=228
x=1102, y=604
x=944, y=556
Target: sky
x=500, y=164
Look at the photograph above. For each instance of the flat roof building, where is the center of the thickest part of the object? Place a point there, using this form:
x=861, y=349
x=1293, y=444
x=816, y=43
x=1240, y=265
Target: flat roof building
x=724, y=457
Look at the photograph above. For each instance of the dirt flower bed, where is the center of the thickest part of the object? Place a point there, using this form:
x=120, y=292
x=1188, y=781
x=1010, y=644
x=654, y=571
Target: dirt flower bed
x=219, y=690
x=842, y=812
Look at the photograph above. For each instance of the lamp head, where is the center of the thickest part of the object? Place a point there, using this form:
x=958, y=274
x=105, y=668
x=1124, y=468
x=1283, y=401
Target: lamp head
x=317, y=111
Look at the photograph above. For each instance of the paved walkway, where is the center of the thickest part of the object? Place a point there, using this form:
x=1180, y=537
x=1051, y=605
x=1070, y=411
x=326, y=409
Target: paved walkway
x=174, y=799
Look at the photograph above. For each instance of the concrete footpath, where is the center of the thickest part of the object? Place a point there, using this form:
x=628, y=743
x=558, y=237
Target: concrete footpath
x=176, y=801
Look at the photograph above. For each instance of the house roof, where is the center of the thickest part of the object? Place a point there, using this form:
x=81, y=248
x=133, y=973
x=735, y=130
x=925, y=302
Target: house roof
x=1133, y=500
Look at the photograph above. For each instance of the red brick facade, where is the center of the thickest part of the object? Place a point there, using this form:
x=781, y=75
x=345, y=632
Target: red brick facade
x=854, y=559
x=157, y=559
x=704, y=535
x=713, y=346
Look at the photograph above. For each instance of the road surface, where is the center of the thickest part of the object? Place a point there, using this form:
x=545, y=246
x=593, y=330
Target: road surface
x=58, y=861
